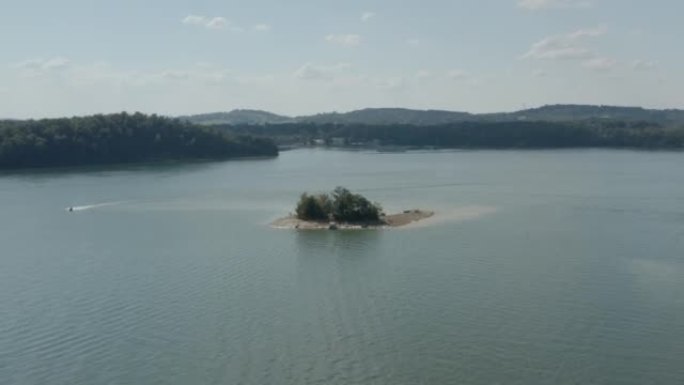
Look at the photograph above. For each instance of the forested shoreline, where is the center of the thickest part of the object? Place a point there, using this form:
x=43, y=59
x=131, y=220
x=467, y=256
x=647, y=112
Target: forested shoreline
x=133, y=138
x=472, y=134
x=119, y=138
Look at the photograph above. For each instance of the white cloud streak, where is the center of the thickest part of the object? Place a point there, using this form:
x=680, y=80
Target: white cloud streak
x=56, y=63
x=311, y=71
x=79, y=75
x=194, y=20
x=262, y=27
x=644, y=65
x=456, y=74
x=367, y=16
x=600, y=64
x=568, y=46
x=535, y=5
x=423, y=74
x=345, y=40
x=413, y=42
x=217, y=23
x=34, y=67
x=214, y=23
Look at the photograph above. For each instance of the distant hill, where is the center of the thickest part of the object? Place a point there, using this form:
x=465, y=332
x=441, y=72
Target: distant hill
x=383, y=116
x=571, y=112
x=394, y=116
x=237, y=117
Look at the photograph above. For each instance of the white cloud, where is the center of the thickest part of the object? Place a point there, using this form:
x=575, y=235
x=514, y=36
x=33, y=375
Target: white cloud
x=423, y=74
x=535, y=5
x=98, y=87
x=104, y=74
x=390, y=84
x=56, y=63
x=589, y=32
x=30, y=64
x=600, y=63
x=215, y=23
x=568, y=46
x=457, y=73
x=311, y=71
x=194, y=20
x=644, y=65
x=175, y=74
x=348, y=40
x=413, y=42
x=33, y=67
x=366, y=16
x=255, y=79
x=550, y=49
x=262, y=27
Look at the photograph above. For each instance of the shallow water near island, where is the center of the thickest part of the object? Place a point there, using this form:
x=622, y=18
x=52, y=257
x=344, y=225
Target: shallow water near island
x=539, y=267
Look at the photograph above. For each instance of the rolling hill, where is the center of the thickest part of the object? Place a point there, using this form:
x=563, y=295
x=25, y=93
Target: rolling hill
x=394, y=116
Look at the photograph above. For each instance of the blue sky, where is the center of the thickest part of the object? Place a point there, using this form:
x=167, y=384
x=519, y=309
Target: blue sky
x=74, y=57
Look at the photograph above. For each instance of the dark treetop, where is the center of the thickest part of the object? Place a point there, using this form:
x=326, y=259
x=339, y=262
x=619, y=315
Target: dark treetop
x=119, y=138
x=340, y=205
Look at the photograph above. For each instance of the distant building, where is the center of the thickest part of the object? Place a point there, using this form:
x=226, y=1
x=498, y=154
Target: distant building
x=338, y=142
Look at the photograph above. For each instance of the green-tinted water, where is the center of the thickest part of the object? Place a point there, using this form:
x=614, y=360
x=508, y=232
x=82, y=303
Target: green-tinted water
x=558, y=267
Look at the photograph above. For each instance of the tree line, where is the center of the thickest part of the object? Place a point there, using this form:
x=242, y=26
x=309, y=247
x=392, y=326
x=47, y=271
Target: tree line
x=119, y=138
x=473, y=134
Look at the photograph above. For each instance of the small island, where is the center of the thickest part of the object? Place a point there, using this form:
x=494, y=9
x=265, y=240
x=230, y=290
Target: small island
x=342, y=209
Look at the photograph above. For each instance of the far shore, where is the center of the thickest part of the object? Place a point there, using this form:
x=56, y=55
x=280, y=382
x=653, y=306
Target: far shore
x=387, y=221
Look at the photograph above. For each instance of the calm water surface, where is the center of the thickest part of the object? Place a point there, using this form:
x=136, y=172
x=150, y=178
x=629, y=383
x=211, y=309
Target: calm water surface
x=542, y=267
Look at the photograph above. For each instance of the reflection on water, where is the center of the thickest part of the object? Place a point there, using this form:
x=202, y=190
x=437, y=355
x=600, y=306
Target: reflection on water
x=340, y=243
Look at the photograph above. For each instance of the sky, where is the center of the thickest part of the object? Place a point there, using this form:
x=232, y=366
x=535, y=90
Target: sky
x=177, y=57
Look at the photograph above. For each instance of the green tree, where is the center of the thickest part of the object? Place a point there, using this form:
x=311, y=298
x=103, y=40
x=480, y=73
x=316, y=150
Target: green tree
x=313, y=208
x=342, y=206
x=349, y=207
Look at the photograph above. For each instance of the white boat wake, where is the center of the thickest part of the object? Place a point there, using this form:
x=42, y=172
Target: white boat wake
x=93, y=206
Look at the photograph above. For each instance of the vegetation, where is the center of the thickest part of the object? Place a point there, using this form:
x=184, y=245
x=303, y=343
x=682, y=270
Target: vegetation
x=125, y=138
x=472, y=134
x=341, y=205
x=578, y=112
x=118, y=138
x=314, y=207
x=237, y=117
x=404, y=116
x=553, y=126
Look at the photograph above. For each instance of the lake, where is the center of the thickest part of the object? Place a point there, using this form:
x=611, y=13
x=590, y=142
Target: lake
x=541, y=267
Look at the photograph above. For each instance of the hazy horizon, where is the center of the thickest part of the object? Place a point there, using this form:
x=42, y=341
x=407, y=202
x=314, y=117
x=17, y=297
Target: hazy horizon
x=180, y=58
x=340, y=111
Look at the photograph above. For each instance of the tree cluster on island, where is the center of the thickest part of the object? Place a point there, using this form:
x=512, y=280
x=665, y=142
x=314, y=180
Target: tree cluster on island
x=119, y=138
x=341, y=205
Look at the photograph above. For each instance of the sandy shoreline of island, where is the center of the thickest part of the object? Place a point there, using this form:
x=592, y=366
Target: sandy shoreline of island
x=388, y=221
